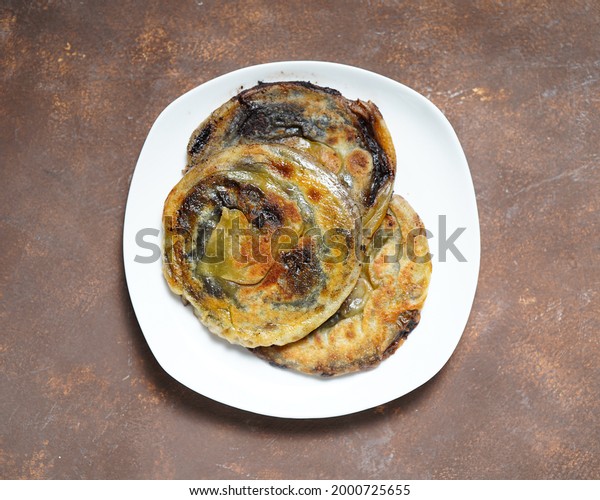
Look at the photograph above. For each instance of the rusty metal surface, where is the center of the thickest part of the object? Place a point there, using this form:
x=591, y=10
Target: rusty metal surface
x=83, y=397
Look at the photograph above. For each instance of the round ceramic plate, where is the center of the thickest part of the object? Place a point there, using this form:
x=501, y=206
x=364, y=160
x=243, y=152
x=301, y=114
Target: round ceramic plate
x=432, y=175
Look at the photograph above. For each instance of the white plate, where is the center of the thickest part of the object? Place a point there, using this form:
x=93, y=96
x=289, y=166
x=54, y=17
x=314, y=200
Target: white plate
x=432, y=175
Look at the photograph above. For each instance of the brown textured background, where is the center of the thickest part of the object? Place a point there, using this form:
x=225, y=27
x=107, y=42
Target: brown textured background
x=81, y=84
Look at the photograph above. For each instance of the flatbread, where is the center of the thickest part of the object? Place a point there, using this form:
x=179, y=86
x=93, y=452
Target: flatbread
x=381, y=311
x=349, y=138
x=292, y=261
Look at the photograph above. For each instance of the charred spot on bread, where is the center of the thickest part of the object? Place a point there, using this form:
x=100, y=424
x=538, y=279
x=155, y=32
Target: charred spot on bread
x=382, y=171
x=201, y=139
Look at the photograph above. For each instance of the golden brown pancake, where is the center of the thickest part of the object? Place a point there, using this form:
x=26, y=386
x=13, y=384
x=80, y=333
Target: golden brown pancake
x=381, y=311
x=242, y=245
x=349, y=138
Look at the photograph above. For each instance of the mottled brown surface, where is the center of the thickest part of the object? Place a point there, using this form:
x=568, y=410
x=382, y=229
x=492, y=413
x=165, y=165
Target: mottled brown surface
x=82, y=396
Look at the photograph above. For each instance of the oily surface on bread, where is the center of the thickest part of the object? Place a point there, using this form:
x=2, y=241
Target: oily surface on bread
x=349, y=138
x=242, y=244
x=381, y=311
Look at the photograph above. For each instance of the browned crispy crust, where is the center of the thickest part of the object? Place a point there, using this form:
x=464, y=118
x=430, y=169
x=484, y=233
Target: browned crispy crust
x=349, y=138
x=390, y=296
x=266, y=294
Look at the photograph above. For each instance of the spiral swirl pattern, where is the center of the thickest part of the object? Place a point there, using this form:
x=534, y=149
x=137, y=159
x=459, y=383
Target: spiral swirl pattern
x=261, y=240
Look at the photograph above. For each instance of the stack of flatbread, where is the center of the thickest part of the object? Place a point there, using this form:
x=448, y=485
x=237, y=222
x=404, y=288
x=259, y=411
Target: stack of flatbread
x=285, y=236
